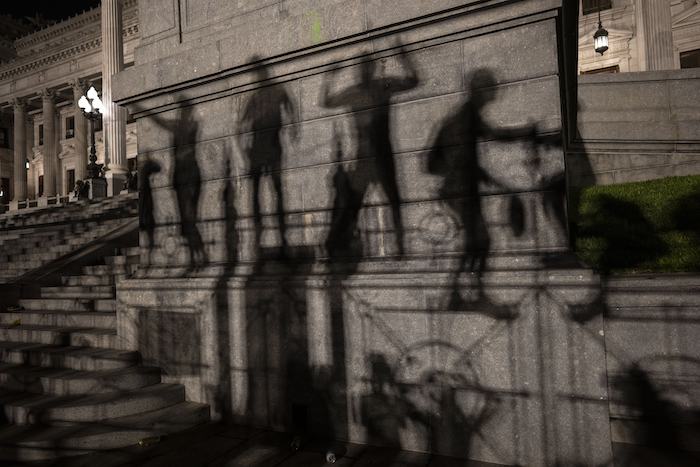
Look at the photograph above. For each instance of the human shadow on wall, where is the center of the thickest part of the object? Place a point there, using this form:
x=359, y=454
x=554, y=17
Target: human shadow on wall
x=370, y=103
x=147, y=223
x=186, y=182
x=434, y=405
x=223, y=392
x=664, y=427
x=286, y=387
x=456, y=158
x=342, y=239
x=267, y=111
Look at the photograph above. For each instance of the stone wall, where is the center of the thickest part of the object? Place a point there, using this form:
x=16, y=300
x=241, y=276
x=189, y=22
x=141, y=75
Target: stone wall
x=352, y=224
x=636, y=126
x=652, y=362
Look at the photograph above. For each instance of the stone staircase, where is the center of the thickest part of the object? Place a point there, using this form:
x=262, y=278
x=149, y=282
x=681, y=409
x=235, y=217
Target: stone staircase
x=65, y=387
x=71, y=212
x=29, y=241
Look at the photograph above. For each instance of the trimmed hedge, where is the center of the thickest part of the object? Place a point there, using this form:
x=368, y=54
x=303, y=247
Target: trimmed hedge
x=649, y=226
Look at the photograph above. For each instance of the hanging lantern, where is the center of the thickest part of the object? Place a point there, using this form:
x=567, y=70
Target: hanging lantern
x=600, y=39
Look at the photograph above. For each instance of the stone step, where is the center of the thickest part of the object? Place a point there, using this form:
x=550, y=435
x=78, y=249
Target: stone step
x=62, y=381
x=121, y=260
x=87, y=319
x=88, y=280
x=75, y=358
x=92, y=337
x=103, y=270
x=66, y=304
x=131, y=251
x=653, y=282
x=36, y=256
x=23, y=265
x=25, y=409
x=30, y=443
x=79, y=291
x=643, y=297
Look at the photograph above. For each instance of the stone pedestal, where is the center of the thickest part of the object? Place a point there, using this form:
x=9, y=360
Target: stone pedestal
x=115, y=181
x=98, y=188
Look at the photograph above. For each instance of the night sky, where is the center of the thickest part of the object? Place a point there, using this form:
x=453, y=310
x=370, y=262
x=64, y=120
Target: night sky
x=50, y=9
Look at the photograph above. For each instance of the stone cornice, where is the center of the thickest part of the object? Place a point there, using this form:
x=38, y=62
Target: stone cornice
x=82, y=35
x=28, y=64
x=71, y=24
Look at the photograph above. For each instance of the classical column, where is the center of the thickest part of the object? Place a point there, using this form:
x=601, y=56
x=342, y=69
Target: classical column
x=655, y=35
x=20, y=159
x=114, y=118
x=80, y=137
x=31, y=174
x=49, y=150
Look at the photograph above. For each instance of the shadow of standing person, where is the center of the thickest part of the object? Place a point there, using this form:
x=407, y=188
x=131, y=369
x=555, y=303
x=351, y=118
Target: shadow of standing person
x=347, y=202
x=187, y=180
x=369, y=101
x=223, y=395
x=462, y=177
x=147, y=221
x=264, y=115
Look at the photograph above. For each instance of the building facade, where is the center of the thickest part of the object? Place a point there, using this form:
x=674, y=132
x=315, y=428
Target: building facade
x=44, y=138
x=644, y=35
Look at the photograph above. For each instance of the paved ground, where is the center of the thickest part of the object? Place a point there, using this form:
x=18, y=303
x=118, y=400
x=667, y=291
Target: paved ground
x=216, y=445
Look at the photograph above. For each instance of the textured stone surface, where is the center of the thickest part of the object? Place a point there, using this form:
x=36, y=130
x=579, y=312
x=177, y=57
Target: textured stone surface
x=420, y=348
x=511, y=383
x=635, y=127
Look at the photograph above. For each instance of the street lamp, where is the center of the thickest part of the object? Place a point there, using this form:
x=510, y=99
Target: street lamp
x=600, y=38
x=92, y=108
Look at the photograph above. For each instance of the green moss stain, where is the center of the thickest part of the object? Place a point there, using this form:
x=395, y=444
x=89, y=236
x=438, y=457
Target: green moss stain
x=316, y=30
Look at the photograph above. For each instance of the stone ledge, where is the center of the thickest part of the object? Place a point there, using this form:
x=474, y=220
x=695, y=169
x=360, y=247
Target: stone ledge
x=209, y=62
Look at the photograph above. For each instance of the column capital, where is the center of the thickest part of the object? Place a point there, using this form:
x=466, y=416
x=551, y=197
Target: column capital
x=19, y=103
x=47, y=95
x=79, y=86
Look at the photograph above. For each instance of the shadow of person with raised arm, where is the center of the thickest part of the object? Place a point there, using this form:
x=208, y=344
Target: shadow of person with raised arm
x=264, y=115
x=369, y=101
x=187, y=180
x=455, y=157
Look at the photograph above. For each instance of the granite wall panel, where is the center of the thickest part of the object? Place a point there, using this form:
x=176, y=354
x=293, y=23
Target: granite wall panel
x=358, y=209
